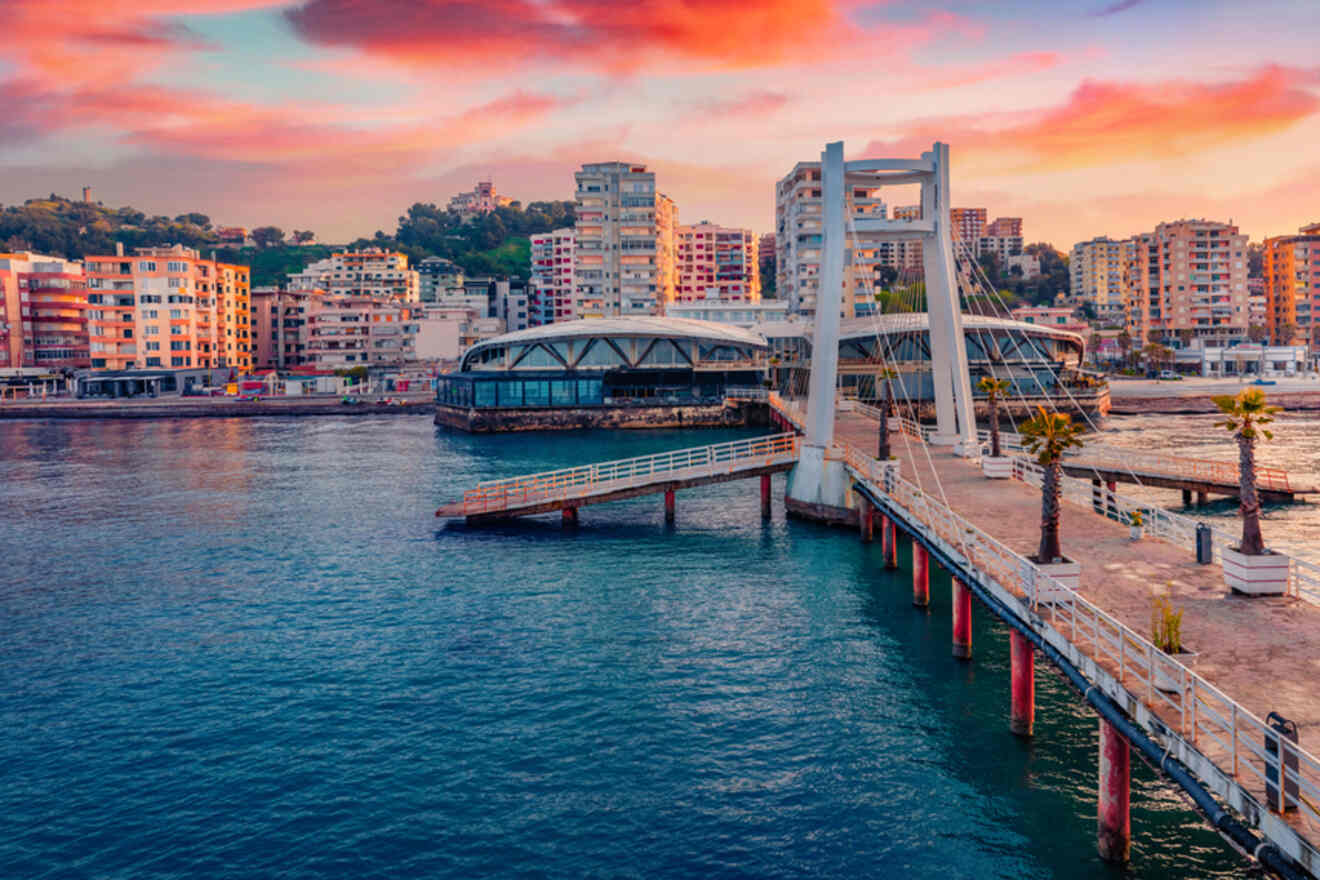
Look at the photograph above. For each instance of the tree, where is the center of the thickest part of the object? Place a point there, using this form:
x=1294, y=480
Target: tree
x=886, y=374
x=993, y=388
x=1246, y=416
x=1255, y=260
x=265, y=236
x=302, y=236
x=1048, y=436
x=1258, y=333
x=1125, y=343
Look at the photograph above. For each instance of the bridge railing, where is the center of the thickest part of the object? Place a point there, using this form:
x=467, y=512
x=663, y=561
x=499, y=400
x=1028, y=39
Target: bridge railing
x=1220, y=740
x=1160, y=464
x=902, y=424
x=575, y=482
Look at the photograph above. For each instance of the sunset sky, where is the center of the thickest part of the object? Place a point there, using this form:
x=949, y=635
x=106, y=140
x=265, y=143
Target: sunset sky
x=1084, y=118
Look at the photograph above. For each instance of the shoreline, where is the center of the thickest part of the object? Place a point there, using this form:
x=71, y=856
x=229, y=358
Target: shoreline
x=204, y=407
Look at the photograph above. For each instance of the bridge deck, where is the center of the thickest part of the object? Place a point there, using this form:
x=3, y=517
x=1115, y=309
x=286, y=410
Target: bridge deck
x=1263, y=652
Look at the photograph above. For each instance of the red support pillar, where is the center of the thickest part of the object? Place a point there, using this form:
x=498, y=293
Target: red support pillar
x=865, y=522
x=1114, y=833
x=962, y=620
x=920, y=575
x=570, y=516
x=765, y=496
x=889, y=534
x=669, y=505
x=1022, y=654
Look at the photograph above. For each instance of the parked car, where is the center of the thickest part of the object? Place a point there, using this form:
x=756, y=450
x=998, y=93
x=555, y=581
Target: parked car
x=1168, y=374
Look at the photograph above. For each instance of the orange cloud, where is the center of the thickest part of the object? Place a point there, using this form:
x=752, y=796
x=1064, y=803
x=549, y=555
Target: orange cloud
x=1105, y=123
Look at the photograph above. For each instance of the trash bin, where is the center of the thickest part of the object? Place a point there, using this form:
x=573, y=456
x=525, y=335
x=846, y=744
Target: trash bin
x=1280, y=802
x=1204, y=546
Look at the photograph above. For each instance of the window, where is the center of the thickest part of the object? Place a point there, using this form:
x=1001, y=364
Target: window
x=153, y=346
x=151, y=330
x=147, y=266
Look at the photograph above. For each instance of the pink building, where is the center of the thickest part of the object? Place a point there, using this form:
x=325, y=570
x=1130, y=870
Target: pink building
x=279, y=327
x=717, y=262
x=1058, y=317
x=550, y=290
x=343, y=332
x=43, y=313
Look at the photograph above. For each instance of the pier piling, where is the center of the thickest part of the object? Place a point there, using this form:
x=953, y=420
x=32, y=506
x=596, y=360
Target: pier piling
x=765, y=496
x=1022, y=715
x=669, y=505
x=889, y=535
x=962, y=620
x=866, y=521
x=1114, y=833
x=570, y=516
x=920, y=576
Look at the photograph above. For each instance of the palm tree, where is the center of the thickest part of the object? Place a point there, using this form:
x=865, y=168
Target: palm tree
x=1245, y=416
x=993, y=388
x=886, y=374
x=1049, y=436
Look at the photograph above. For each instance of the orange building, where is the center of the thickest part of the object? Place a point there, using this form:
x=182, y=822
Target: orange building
x=717, y=262
x=1292, y=286
x=167, y=307
x=43, y=312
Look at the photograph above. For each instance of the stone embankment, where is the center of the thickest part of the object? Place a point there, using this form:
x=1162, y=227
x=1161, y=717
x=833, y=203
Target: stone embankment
x=1197, y=404
x=214, y=407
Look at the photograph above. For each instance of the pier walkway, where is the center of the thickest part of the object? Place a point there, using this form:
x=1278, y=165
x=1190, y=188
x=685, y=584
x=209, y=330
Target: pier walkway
x=571, y=488
x=1252, y=656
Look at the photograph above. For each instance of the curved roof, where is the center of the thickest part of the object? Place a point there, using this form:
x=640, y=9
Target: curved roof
x=862, y=328
x=674, y=328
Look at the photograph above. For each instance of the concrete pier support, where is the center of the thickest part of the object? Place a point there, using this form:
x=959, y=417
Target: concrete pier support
x=1114, y=831
x=1202, y=499
x=889, y=535
x=1022, y=654
x=1187, y=497
x=962, y=620
x=669, y=505
x=920, y=575
x=866, y=521
x=765, y=496
x=570, y=516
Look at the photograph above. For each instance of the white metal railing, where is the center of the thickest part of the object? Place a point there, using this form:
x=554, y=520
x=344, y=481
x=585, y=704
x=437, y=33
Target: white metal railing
x=1140, y=461
x=577, y=482
x=748, y=392
x=1220, y=740
x=902, y=424
x=1007, y=440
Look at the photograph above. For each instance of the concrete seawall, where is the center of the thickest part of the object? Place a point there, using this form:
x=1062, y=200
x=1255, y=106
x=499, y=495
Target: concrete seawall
x=480, y=421
x=194, y=408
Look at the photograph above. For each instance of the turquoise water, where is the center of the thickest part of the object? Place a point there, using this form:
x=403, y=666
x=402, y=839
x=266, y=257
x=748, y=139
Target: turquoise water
x=247, y=649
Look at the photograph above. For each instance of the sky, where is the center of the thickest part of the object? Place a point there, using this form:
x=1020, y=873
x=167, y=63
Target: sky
x=1084, y=117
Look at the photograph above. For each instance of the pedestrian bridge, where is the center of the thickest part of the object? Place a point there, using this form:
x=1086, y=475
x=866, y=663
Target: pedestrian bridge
x=570, y=488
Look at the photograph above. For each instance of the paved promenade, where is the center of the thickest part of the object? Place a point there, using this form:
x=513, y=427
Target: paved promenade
x=1263, y=652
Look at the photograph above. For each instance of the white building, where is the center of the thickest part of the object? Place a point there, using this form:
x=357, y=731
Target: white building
x=550, y=290
x=624, y=259
x=767, y=311
x=1097, y=276
x=370, y=272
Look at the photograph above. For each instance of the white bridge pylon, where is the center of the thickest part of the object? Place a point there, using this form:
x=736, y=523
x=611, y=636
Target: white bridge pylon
x=955, y=421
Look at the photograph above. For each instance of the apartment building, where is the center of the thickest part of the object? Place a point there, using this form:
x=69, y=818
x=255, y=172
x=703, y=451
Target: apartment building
x=43, y=313
x=167, y=307
x=1003, y=238
x=717, y=263
x=1096, y=270
x=550, y=290
x=1292, y=286
x=967, y=226
x=799, y=237
x=368, y=272
x=279, y=322
x=437, y=275
x=1189, y=277
x=624, y=259
x=355, y=330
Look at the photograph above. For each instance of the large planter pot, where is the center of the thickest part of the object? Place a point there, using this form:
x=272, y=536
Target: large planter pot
x=997, y=467
x=1265, y=575
x=1067, y=573
x=1135, y=532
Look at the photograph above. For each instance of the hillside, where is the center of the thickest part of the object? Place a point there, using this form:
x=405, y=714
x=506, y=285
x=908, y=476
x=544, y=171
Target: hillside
x=495, y=243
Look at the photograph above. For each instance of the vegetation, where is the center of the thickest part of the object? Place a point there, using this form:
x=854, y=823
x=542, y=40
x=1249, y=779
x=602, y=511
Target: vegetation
x=1053, y=278
x=1165, y=625
x=1048, y=436
x=494, y=243
x=993, y=388
x=1135, y=518
x=1246, y=416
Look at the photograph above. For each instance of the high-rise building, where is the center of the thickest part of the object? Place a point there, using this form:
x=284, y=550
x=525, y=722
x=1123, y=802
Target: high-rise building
x=717, y=262
x=1189, y=278
x=167, y=307
x=798, y=241
x=550, y=290
x=437, y=275
x=1096, y=272
x=1292, y=286
x=279, y=321
x=368, y=272
x=967, y=225
x=624, y=262
x=43, y=312
x=1003, y=238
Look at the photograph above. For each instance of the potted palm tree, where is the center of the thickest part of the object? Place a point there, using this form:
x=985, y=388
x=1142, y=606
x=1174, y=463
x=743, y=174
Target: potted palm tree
x=1048, y=436
x=996, y=465
x=1250, y=568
